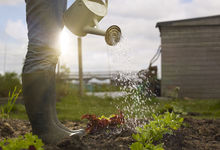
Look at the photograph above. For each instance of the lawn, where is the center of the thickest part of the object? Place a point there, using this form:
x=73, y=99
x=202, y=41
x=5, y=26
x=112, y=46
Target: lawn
x=209, y=109
x=72, y=107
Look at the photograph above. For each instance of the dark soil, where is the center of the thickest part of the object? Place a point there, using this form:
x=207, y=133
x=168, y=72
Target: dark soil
x=194, y=135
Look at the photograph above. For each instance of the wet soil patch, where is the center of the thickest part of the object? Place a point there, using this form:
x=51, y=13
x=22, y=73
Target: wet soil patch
x=196, y=134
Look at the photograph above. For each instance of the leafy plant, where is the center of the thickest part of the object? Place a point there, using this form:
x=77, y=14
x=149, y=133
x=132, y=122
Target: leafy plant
x=6, y=109
x=154, y=131
x=172, y=107
x=97, y=123
x=28, y=142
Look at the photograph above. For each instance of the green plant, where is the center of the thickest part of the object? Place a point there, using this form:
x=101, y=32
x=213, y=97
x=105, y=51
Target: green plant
x=154, y=131
x=6, y=109
x=28, y=142
x=175, y=93
x=101, y=88
x=98, y=123
x=172, y=107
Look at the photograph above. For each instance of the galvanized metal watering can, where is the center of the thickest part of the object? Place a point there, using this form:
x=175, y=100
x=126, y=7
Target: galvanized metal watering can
x=83, y=16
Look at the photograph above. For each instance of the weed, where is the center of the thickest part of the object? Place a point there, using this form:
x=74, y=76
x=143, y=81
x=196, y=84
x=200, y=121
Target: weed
x=6, y=109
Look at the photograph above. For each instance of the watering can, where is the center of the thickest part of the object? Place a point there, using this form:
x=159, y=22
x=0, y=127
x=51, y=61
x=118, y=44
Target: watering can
x=83, y=16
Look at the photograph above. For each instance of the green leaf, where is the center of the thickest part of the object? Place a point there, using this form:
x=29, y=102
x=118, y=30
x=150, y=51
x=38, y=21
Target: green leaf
x=137, y=137
x=137, y=146
x=22, y=143
x=155, y=129
x=181, y=120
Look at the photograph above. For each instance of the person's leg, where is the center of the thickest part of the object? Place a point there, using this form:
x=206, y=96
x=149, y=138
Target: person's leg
x=38, y=88
x=44, y=19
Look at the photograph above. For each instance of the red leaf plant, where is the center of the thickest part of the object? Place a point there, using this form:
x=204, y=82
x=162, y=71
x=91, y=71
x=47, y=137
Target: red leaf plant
x=97, y=123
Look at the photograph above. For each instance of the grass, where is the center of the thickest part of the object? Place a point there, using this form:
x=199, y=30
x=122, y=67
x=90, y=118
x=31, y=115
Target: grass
x=72, y=107
x=18, y=112
x=209, y=109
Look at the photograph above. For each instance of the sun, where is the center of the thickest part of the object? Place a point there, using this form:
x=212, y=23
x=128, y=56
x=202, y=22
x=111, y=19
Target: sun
x=64, y=42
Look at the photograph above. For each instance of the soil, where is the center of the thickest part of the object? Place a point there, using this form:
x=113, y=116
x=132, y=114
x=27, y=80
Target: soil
x=196, y=134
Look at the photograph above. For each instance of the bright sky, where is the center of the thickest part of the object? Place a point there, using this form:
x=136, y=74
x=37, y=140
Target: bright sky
x=137, y=20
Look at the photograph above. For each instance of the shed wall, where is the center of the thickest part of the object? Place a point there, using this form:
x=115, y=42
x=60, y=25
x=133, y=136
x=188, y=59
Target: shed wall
x=191, y=61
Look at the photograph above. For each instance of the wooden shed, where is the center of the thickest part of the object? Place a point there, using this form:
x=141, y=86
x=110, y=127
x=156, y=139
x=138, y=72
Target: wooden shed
x=191, y=57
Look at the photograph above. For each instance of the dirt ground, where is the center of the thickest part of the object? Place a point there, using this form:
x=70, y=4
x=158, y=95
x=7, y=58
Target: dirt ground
x=194, y=135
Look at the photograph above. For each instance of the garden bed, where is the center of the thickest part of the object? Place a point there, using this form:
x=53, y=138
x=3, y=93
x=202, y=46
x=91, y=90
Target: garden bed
x=196, y=134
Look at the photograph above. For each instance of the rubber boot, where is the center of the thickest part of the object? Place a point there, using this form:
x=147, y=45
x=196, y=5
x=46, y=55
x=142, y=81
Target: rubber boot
x=38, y=91
x=56, y=120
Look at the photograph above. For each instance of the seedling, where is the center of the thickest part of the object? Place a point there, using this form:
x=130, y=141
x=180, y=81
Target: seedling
x=154, y=131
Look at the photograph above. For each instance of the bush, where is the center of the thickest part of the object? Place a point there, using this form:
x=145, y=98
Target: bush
x=102, y=88
x=64, y=88
x=7, y=83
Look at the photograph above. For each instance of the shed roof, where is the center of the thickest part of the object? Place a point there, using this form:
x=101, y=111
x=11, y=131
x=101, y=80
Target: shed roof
x=205, y=21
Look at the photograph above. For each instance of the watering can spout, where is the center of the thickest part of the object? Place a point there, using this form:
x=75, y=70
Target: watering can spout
x=112, y=34
x=92, y=30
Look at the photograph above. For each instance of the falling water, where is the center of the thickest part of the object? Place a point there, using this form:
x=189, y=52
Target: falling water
x=135, y=105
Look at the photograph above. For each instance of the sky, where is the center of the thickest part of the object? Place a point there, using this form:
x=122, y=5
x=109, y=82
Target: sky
x=137, y=20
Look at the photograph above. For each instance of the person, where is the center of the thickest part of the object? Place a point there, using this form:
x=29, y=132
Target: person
x=44, y=22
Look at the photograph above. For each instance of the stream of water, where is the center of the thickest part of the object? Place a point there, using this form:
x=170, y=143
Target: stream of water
x=135, y=103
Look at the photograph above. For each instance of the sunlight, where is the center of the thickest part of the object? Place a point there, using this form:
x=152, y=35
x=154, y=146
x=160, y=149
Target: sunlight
x=64, y=43
x=67, y=48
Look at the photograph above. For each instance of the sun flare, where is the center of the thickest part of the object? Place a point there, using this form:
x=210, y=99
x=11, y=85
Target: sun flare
x=67, y=47
x=64, y=42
